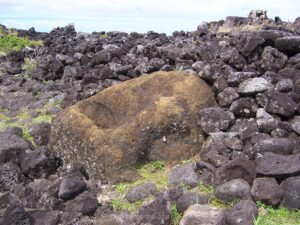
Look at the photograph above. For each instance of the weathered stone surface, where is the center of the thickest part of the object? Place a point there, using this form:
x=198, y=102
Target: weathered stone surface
x=232, y=190
x=45, y=217
x=237, y=168
x=245, y=107
x=243, y=213
x=121, y=218
x=235, y=78
x=203, y=214
x=150, y=118
x=254, y=85
x=266, y=190
x=278, y=165
x=11, y=146
x=184, y=175
x=283, y=146
x=190, y=198
x=215, y=119
x=277, y=103
x=291, y=192
x=85, y=203
x=141, y=191
x=290, y=45
x=70, y=187
x=157, y=211
x=227, y=96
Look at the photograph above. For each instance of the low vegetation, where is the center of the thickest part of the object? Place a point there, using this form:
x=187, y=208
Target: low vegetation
x=154, y=172
x=29, y=66
x=11, y=42
x=23, y=119
x=280, y=216
x=175, y=215
x=267, y=214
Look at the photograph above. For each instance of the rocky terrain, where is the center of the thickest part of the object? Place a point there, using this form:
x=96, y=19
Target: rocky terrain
x=88, y=137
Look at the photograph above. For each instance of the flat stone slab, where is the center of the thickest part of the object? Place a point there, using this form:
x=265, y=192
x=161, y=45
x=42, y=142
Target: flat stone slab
x=278, y=165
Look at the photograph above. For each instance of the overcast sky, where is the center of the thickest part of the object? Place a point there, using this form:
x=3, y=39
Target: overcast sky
x=134, y=15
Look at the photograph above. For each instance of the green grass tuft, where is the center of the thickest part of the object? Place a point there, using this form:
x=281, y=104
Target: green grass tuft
x=281, y=216
x=175, y=215
x=10, y=43
x=29, y=66
x=154, y=172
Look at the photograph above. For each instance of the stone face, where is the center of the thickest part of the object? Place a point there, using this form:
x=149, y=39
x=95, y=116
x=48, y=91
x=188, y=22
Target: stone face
x=141, y=191
x=291, y=192
x=232, y=190
x=278, y=165
x=243, y=213
x=203, y=214
x=185, y=175
x=254, y=85
x=149, y=118
x=277, y=103
x=290, y=45
x=266, y=190
x=215, y=119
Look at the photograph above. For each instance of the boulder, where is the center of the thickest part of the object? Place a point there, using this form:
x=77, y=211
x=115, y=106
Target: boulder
x=203, y=214
x=290, y=45
x=243, y=213
x=283, y=146
x=85, y=203
x=233, y=190
x=141, y=191
x=157, y=211
x=254, y=85
x=191, y=198
x=70, y=187
x=153, y=117
x=291, y=192
x=184, y=175
x=237, y=168
x=215, y=119
x=277, y=103
x=278, y=165
x=266, y=190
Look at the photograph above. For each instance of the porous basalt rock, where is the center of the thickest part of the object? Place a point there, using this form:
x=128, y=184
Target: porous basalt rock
x=150, y=118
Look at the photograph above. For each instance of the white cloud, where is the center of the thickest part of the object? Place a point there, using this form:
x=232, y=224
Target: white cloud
x=141, y=13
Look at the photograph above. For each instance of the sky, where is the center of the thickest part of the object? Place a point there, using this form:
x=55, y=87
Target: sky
x=134, y=15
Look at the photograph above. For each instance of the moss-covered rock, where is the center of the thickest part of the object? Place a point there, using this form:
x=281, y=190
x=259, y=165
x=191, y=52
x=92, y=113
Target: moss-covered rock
x=153, y=117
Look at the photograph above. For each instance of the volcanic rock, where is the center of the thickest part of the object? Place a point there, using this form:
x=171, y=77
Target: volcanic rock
x=149, y=118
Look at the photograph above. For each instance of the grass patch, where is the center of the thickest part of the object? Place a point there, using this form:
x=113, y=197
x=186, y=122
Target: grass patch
x=175, y=215
x=213, y=201
x=267, y=214
x=29, y=66
x=151, y=172
x=281, y=216
x=11, y=42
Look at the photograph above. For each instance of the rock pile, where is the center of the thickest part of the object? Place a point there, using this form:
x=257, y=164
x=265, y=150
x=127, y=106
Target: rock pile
x=252, y=148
